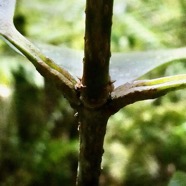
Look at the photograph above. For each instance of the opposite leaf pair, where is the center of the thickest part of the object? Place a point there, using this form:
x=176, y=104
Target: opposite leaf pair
x=124, y=68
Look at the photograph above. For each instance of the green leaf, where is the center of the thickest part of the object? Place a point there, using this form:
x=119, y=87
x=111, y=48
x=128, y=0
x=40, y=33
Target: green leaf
x=70, y=59
x=178, y=179
x=45, y=66
x=146, y=89
x=129, y=67
x=7, y=8
x=123, y=68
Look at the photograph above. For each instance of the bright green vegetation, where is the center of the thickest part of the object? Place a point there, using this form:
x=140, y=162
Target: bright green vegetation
x=145, y=142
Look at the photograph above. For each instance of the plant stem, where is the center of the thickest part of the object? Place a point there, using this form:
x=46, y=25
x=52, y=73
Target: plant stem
x=97, y=52
x=95, y=90
x=92, y=131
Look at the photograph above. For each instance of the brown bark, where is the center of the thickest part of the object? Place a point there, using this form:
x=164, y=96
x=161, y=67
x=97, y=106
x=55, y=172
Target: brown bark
x=92, y=131
x=95, y=90
x=96, y=77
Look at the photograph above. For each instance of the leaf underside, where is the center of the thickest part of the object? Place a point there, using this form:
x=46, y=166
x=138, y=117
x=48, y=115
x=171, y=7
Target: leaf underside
x=123, y=68
x=145, y=89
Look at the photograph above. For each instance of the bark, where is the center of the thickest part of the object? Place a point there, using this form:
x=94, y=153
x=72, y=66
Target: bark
x=92, y=131
x=96, y=79
x=94, y=90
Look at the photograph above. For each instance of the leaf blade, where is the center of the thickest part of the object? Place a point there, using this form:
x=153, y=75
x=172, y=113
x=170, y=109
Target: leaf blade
x=45, y=66
x=147, y=89
x=7, y=8
x=123, y=67
x=129, y=67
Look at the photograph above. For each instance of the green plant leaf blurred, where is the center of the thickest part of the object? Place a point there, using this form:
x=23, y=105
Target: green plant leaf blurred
x=178, y=179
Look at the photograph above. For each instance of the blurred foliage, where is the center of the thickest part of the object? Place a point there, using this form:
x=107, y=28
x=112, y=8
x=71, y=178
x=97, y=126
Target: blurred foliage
x=35, y=149
x=178, y=179
x=145, y=142
x=154, y=142
x=149, y=24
